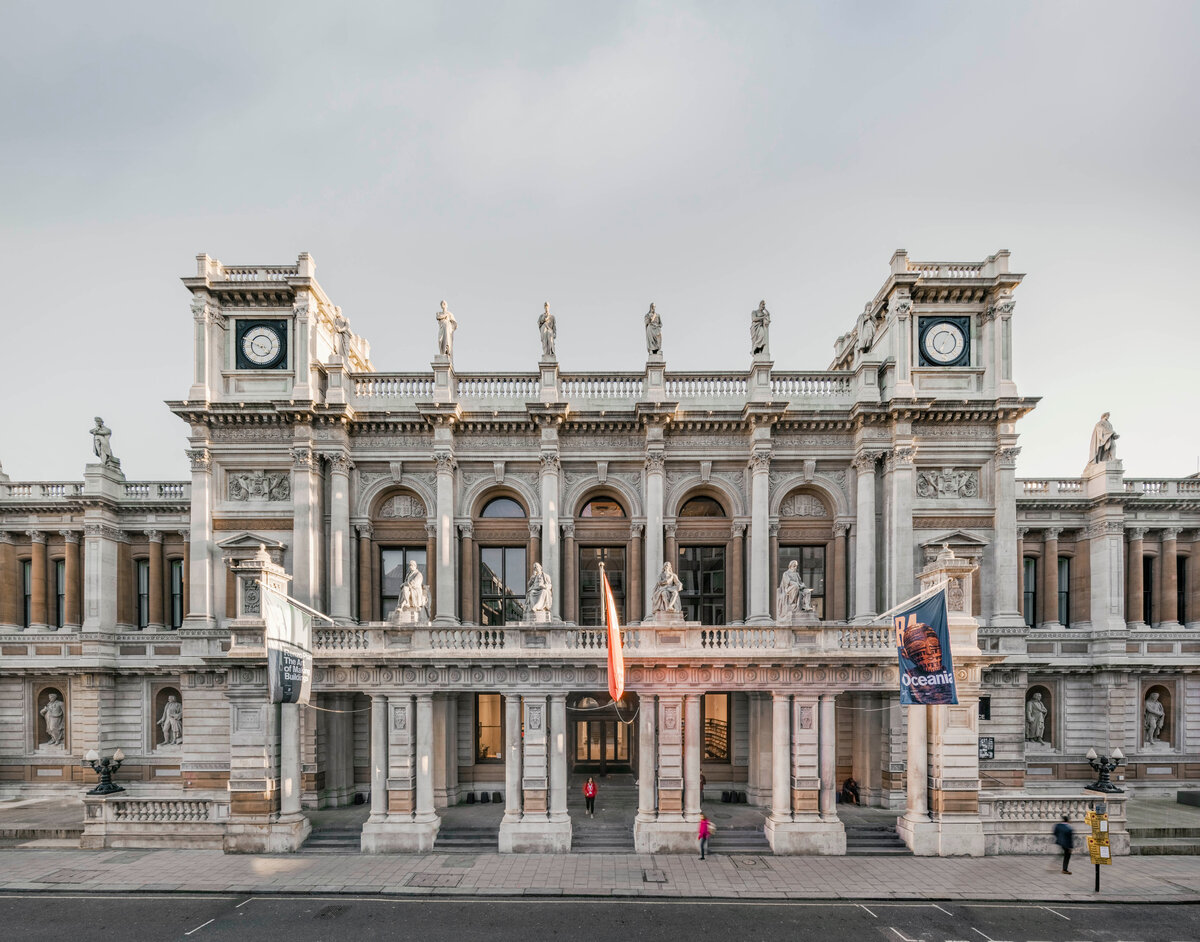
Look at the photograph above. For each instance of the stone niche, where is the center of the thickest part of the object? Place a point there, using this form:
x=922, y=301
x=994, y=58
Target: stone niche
x=42, y=698
x=1048, y=738
x=160, y=699
x=1164, y=737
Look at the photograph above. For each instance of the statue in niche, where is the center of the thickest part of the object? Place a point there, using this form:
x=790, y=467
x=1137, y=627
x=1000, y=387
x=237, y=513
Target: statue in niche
x=539, y=593
x=342, y=326
x=548, y=331
x=101, y=446
x=171, y=721
x=653, y=331
x=413, y=597
x=1104, y=441
x=55, y=715
x=794, y=596
x=866, y=329
x=760, y=323
x=665, y=597
x=447, y=325
x=1036, y=713
x=1153, y=718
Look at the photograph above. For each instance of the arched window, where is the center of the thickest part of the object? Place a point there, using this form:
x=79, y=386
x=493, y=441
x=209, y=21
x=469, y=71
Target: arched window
x=503, y=507
x=602, y=507
x=702, y=507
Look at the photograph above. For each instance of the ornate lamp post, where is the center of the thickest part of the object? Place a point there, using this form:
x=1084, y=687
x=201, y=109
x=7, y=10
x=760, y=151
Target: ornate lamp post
x=1104, y=768
x=106, y=769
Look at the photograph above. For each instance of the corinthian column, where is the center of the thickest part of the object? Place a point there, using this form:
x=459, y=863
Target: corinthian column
x=903, y=489
x=1137, y=608
x=339, y=537
x=551, y=557
x=37, y=604
x=71, y=608
x=760, y=539
x=1050, y=561
x=156, y=620
x=1169, y=599
x=200, y=610
x=447, y=543
x=1006, y=571
x=655, y=465
x=304, y=500
x=864, y=575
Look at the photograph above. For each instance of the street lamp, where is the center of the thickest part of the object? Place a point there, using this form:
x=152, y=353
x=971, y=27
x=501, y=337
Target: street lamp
x=1104, y=768
x=106, y=769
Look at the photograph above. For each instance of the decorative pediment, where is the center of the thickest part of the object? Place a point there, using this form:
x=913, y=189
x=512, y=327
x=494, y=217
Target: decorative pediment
x=245, y=545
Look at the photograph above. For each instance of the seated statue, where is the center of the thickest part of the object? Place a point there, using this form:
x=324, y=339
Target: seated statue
x=413, y=597
x=665, y=597
x=539, y=593
x=794, y=596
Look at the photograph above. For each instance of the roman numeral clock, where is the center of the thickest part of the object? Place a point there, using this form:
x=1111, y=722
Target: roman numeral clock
x=944, y=341
x=261, y=344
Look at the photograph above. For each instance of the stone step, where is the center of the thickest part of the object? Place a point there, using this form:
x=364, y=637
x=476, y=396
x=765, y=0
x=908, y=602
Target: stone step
x=1162, y=846
x=1138, y=834
x=32, y=832
x=862, y=842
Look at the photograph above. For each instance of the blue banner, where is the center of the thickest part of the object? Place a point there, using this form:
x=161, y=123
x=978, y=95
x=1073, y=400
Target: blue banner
x=923, y=644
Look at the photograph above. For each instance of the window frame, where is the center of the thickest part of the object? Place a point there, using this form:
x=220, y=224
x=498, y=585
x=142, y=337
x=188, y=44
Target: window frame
x=1029, y=593
x=26, y=569
x=404, y=549
x=510, y=601
x=620, y=591
x=1147, y=612
x=702, y=598
x=60, y=591
x=727, y=759
x=141, y=592
x=481, y=759
x=818, y=598
x=1064, y=591
x=177, y=601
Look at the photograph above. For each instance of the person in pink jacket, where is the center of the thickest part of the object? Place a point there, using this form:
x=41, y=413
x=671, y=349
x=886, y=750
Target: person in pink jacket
x=589, y=796
x=705, y=831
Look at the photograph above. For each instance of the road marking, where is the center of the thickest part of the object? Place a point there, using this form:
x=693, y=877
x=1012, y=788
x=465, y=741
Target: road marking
x=946, y=911
x=867, y=911
x=201, y=926
x=903, y=937
x=984, y=934
x=244, y=902
x=1060, y=915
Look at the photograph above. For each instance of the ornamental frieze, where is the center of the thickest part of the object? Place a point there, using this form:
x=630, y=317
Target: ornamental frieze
x=803, y=505
x=402, y=505
x=254, y=433
x=258, y=485
x=947, y=483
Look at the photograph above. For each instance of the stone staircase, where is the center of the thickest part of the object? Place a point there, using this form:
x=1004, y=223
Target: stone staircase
x=466, y=839
x=739, y=839
x=874, y=840
x=1156, y=841
x=333, y=840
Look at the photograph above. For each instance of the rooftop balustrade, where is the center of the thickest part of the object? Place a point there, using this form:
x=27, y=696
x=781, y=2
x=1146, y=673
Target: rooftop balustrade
x=41, y=491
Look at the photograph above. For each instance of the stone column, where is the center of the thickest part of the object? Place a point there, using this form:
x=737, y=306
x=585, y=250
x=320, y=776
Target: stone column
x=917, y=774
x=304, y=502
x=431, y=556
x=535, y=780
x=655, y=465
x=737, y=579
x=512, y=758
x=71, y=613
x=633, y=598
x=840, y=584
x=156, y=620
x=647, y=752
x=447, y=551
x=670, y=758
x=670, y=546
x=864, y=576
x=290, y=783
x=570, y=587
x=470, y=611
x=550, y=557
x=10, y=605
x=186, y=536
x=425, y=813
x=760, y=553
x=1169, y=599
x=1136, y=606
x=781, y=791
x=366, y=564
x=1193, y=573
x=558, y=758
x=903, y=569
x=1050, y=581
x=691, y=752
x=379, y=755
x=1006, y=571
x=1021, y=531
x=827, y=738
x=38, y=610
x=339, y=537
x=535, y=552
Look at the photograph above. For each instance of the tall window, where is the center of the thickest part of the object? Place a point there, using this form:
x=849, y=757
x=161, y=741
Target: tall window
x=501, y=584
x=1029, y=583
x=489, y=727
x=1064, y=590
x=27, y=591
x=1181, y=574
x=602, y=507
x=393, y=568
x=142, y=577
x=60, y=591
x=591, y=600
x=812, y=571
x=715, y=709
x=1148, y=589
x=702, y=572
x=176, y=593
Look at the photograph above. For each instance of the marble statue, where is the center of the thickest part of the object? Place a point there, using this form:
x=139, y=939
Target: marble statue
x=760, y=323
x=549, y=332
x=447, y=325
x=794, y=596
x=413, y=597
x=342, y=326
x=665, y=597
x=1036, y=713
x=539, y=593
x=171, y=721
x=1153, y=718
x=653, y=332
x=1104, y=441
x=101, y=447
x=866, y=329
x=55, y=714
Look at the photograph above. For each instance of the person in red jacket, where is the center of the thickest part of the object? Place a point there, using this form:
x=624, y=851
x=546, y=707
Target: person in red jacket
x=589, y=796
x=704, y=833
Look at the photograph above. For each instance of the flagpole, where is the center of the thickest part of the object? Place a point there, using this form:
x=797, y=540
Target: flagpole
x=300, y=605
x=923, y=594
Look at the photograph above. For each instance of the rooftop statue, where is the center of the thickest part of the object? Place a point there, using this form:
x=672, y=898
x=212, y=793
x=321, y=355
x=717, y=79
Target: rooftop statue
x=446, y=327
x=1104, y=441
x=344, y=335
x=101, y=447
x=548, y=331
x=760, y=324
x=866, y=329
x=653, y=332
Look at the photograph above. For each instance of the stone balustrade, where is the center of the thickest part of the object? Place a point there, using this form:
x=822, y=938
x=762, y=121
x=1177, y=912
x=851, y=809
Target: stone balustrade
x=133, y=821
x=1163, y=487
x=811, y=385
x=1050, y=487
x=71, y=490
x=597, y=386
x=947, y=269
x=706, y=385
x=518, y=386
x=1023, y=824
x=251, y=273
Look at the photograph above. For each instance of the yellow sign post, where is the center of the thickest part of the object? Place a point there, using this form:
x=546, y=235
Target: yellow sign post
x=1097, y=842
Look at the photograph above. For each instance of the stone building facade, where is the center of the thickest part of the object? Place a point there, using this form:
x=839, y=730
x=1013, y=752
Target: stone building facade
x=1074, y=602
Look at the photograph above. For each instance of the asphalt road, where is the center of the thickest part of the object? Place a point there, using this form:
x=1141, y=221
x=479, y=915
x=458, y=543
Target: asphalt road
x=33, y=918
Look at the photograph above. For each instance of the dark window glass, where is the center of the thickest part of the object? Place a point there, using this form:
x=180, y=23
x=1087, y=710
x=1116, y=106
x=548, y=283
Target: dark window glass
x=1064, y=590
x=393, y=567
x=27, y=591
x=176, y=593
x=812, y=571
x=60, y=591
x=503, y=507
x=591, y=601
x=143, y=591
x=1181, y=570
x=489, y=727
x=501, y=584
x=1148, y=590
x=715, y=709
x=702, y=507
x=602, y=507
x=1029, y=584
x=702, y=571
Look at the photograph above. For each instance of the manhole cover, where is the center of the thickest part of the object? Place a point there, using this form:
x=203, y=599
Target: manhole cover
x=654, y=876
x=749, y=863
x=434, y=879
x=69, y=876
x=720, y=817
x=460, y=861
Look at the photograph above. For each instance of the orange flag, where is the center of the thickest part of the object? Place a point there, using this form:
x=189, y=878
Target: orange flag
x=616, y=657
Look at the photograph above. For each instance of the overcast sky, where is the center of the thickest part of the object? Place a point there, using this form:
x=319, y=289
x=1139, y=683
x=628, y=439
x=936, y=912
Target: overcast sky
x=600, y=156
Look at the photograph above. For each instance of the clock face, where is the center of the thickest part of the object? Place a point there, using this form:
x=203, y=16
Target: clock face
x=261, y=345
x=943, y=343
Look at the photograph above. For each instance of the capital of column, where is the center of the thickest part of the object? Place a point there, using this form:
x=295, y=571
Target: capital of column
x=340, y=463
x=550, y=462
x=431, y=529
x=154, y=536
x=655, y=462
x=903, y=456
x=568, y=529
x=670, y=529
x=1136, y=533
x=36, y=536
x=841, y=528
x=864, y=462
x=200, y=458
x=772, y=528
x=1170, y=533
x=1006, y=456
x=70, y=536
x=636, y=530
x=303, y=458
x=535, y=530
x=900, y=304
x=444, y=461
x=365, y=530
x=6, y=537
x=760, y=462
x=1021, y=532
x=1051, y=533
x=739, y=529
x=466, y=530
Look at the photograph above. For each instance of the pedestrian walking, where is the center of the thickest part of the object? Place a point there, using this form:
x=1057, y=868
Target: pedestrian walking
x=1064, y=837
x=705, y=831
x=589, y=796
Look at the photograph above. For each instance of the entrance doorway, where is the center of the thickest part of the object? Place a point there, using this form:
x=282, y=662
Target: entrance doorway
x=603, y=735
